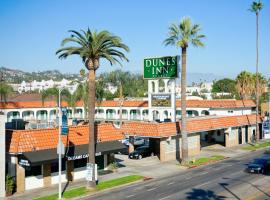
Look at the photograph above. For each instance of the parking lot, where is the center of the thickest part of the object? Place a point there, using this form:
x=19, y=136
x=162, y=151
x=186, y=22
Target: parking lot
x=149, y=166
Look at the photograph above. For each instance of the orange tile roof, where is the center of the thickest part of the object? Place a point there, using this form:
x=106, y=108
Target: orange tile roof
x=194, y=125
x=224, y=103
x=41, y=139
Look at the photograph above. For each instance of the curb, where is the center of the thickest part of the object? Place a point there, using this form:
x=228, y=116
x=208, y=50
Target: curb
x=95, y=192
x=208, y=163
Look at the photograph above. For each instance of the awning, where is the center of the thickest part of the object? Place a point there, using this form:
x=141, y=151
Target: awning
x=71, y=153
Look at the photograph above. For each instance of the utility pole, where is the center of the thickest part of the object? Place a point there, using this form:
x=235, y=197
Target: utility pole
x=1, y=84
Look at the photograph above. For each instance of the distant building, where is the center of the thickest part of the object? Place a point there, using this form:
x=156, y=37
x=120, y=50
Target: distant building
x=43, y=85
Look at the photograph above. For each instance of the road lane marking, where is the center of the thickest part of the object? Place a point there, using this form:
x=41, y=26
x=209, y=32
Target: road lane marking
x=132, y=195
x=165, y=197
x=151, y=189
x=170, y=183
x=203, y=173
x=202, y=184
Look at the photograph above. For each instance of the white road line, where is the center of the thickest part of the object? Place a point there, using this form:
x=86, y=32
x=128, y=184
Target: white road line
x=165, y=197
x=202, y=184
x=170, y=183
x=132, y=195
x=203, y=173
x=190, y=177
x=151, y=189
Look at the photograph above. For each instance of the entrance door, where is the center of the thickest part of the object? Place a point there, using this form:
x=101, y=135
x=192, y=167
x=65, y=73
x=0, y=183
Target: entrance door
x=246, y=134
x=239, y=135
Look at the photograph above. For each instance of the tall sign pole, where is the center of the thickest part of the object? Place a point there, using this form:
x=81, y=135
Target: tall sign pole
x=166, y=68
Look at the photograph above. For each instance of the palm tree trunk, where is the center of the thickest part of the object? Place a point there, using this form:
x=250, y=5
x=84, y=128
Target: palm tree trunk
x=91, y=117
x=257, y=79
x=183, y=108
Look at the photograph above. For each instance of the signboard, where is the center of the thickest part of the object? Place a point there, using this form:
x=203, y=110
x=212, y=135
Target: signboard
x=89, y=171
x=24, y=162
x=77, y=157
x=64, y=128
x=161, y=100
x=163, y=67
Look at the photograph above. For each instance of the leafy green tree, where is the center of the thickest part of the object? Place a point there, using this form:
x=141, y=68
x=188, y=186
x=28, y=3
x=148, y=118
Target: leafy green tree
x=256, y=7
x=182, y=35
x=92, y=46
x=225, y=85
x=5, y=91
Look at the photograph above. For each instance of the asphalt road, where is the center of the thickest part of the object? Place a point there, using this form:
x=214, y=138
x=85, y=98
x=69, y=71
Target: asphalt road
x=222, y=180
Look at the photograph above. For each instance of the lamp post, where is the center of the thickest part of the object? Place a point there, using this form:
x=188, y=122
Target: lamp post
x=59, y=146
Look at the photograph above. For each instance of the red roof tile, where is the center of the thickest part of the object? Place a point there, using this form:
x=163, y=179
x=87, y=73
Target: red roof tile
x=40, y=139
x=224, y=103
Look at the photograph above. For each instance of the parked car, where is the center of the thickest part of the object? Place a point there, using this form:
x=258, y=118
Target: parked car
x=259, y=165
x=138, y=141
x=141, y=152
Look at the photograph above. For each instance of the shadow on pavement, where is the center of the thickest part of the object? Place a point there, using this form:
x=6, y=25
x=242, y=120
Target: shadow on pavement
x=228, y=190
x=200, y=194
x=255, y=186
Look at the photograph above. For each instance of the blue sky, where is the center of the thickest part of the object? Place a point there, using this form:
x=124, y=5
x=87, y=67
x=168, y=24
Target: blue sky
x=32, y=30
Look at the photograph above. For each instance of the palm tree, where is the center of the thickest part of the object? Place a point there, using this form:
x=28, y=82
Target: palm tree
x=91, y=47
x=181, y=35
x=245, y=85
x=256, y=7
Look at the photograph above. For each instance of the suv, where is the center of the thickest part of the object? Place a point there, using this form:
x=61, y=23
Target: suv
x=141, y=152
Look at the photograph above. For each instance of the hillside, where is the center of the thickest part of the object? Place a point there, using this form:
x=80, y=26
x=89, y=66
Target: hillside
x=17, y=76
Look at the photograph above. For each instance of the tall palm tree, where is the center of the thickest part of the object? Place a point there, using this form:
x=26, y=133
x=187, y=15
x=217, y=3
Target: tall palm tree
x=92, y=46
x=245, y=85
x=256, y=7
x=182, y=35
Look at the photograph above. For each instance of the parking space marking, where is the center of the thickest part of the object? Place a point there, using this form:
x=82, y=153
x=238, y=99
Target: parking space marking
x=170, y=183
x=132, y=195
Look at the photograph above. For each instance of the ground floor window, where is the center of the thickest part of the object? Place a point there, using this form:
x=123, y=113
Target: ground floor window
x=33, y=171
x=80, y=163
x=54, y=166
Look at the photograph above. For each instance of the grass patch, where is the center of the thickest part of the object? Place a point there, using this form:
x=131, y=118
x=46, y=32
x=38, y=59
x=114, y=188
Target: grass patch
x=76, y=192
x=118, y=181
x=204, y=160
x=253, y=147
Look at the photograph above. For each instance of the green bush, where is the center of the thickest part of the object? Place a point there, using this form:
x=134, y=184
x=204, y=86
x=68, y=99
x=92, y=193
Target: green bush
x=9, y=184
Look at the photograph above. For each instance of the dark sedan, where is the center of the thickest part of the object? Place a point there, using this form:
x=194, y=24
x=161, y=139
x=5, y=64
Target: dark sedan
x=259, y=165
x=141, y=152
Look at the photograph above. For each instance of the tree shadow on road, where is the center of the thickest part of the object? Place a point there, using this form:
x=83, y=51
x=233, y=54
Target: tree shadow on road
x=200, y=194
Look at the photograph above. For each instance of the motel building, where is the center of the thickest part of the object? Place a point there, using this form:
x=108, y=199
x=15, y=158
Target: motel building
x=32, y=156
x=30, y=108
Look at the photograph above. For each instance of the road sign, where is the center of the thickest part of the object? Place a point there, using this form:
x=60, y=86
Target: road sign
x=163, y=67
